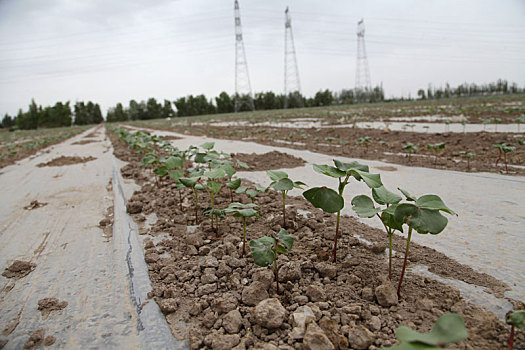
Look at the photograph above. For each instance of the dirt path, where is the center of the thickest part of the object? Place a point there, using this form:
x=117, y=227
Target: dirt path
x=75, y=261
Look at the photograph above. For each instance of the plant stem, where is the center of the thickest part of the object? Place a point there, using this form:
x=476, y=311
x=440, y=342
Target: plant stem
x=275, y=267
x=284, y=209
x=336, y=235
x=180, y=200
x=499, y=158
x=511, y=338
x=231, y=196
x=390, y=255
x=196, y=206
x=243, y=236
x=404, y=263
x=505, y=159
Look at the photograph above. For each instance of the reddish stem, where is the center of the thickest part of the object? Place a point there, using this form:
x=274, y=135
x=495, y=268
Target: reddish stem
x=336, y=236
x=511, y=338
x=505, y=158
x=244, y=236
x=499, y=158
x=180, y=200
x=284, y=209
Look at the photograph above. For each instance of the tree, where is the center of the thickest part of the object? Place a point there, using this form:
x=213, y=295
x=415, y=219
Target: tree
x=117, y=114
x=167, y=110
x=7, y=121
x=421, y=94
x=224, y=103
x=323, y=98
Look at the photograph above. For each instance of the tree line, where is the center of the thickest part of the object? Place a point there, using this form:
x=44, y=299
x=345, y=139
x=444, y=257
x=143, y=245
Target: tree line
x=59, y=115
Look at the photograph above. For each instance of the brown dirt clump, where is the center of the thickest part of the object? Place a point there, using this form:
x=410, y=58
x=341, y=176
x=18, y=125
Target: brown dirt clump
x=170, y=137
x=83, y=142
x=215, y=297
x=267, y=161
x=34, y=205
x=38, y=339
x=66, y=160
x=3, y=343
x=19, y=269
x=47, y=305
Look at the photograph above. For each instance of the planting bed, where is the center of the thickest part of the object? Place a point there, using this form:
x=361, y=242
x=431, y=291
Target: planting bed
x=209, y=291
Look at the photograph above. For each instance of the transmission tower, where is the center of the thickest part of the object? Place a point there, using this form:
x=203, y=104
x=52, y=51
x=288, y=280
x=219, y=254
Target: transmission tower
x=292, y=84
x=362, y=73
x=243, y=89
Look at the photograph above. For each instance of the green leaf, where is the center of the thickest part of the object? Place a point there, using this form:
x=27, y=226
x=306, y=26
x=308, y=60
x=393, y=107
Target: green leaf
x=422, y=220
x=216, y=173
x=431, y=201
x=299, y=184
x=285, y=239
x=329, y=170
x=199, y=187
x=408, y=196
x=215, y=187
x=173, y=162
x=325, y=198
x=284, y=184
x=383, y=196
x=449, y=328
x=516, y=318
x=176, y=174
x=229, y=169
x=276, y=175
x=364, y=206
x=233, y=185
x=353, y=165
x=389, y=219
x=241, y=189
x=262, y=252
x=242, y=164
x=260, y=188
x=372, y=180
x=161, y=171
x=199, y=158
x=189, y=181
x=208, y=145
x=252, y=193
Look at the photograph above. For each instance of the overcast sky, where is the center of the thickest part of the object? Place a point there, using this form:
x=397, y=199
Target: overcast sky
x=111, y=51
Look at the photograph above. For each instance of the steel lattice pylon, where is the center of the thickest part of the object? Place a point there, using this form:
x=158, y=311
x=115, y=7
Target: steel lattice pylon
x=243, y=89
x=362, y=74
x=292, y=84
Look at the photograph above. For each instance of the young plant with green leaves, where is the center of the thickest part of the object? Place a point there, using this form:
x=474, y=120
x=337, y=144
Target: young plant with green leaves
x=242, y=211
x=213, y=186
x=503, y=149
x=251, y=191
x=282, y=183
x=265, y=251
x=520, y=120
x=468, y=155
x=409, y=149
x=364, y=207
x=364, y=141
x=331, y=201
x=165, y=165
x=496, y=121
x=422, y=214
x=516, y=319
x=448, y=329
x=437, y=148
x=193, y=182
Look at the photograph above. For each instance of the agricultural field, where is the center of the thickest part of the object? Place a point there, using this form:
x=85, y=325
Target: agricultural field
x=20, y=144
x=348, y=227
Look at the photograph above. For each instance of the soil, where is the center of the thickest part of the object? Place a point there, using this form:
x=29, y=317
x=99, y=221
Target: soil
x=267, y=161
x=38, y=339
x=19, y=269
x=35, y=205
x=47, y=305
x=384, y=145
x=83, y=142
x=66, y=160
x=217, y=298
x=168, y=138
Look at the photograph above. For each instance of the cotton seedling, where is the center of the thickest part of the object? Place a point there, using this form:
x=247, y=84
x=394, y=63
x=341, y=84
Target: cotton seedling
x=520, y=120
x=468, y=155
x=265, y=251
x=423, y=215
x=365, y=208
x=503, y=149
x=409, y=149
x=331, y=201
x=364, y=141
x=436, y=148
x=242, y=211
x=448, y=329
x=193, y=183
x=282, y=183
x=516, y=319
x=251, y=192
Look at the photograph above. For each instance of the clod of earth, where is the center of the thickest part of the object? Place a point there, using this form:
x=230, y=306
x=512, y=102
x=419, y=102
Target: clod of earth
x=47, y=305
x=65, y=160
x=34, y=204
x=19, y=269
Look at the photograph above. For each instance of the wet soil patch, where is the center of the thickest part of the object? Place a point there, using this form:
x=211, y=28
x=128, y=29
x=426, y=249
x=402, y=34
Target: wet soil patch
x=48, y=305
x=66, y=160
x=384, y=145
x=215, y=297
x=267, y=161
x=38, y=339
x=84, y=142
x=19, y=269
x=35, y=205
